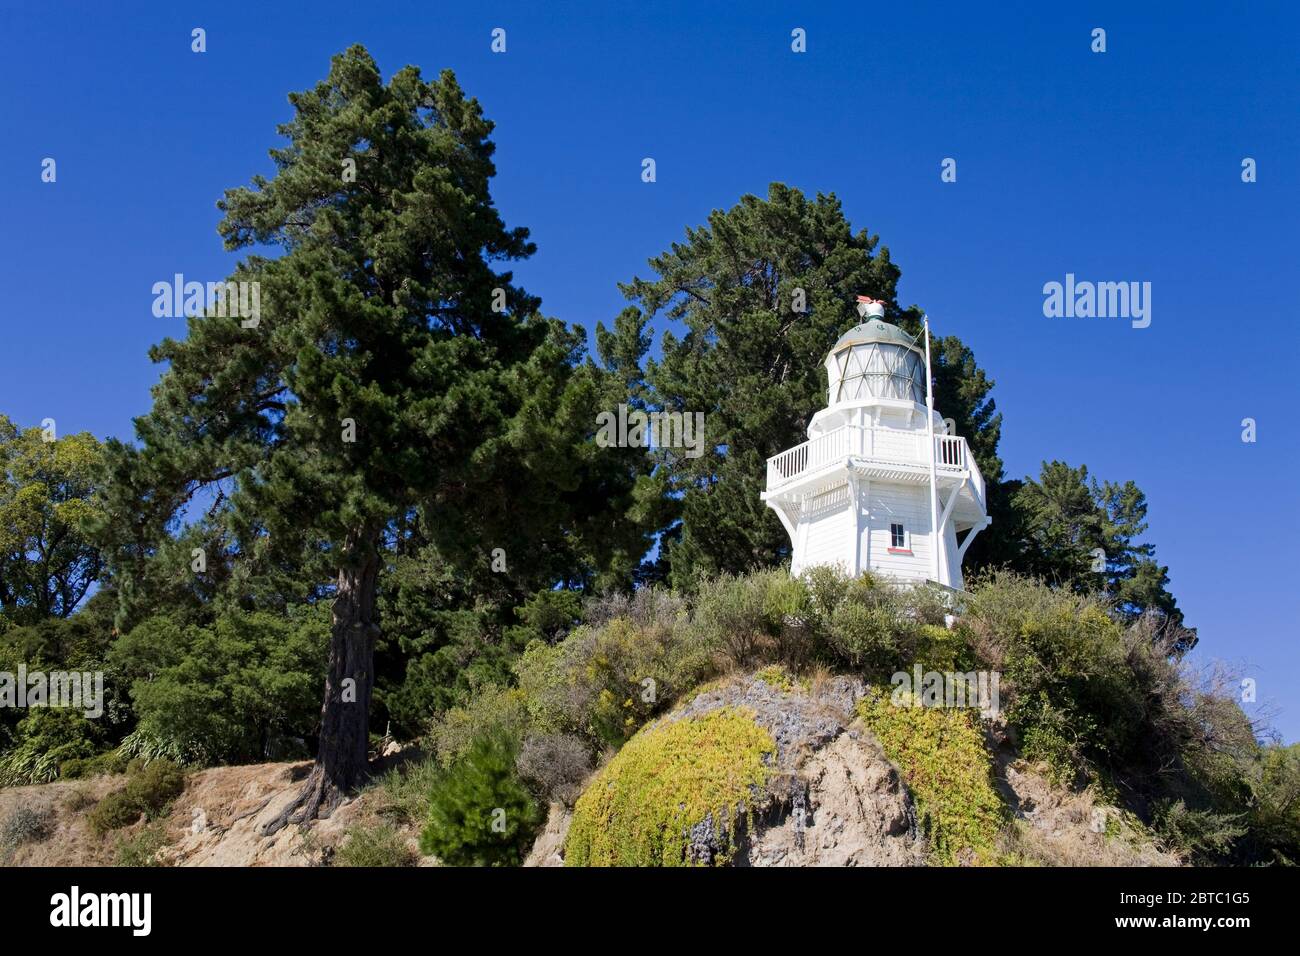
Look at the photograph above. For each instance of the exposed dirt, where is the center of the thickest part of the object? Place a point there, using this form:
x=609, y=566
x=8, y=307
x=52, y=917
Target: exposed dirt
x=214, y=822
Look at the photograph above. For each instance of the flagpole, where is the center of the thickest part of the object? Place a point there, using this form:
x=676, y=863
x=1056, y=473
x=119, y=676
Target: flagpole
x=935, y=535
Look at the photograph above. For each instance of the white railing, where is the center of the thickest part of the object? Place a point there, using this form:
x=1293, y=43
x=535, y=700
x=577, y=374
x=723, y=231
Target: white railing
x=950, y=452
x=811, y=455
x=887, y=445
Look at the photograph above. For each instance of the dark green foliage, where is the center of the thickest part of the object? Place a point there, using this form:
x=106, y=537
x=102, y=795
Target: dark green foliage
x=43, y=740
x=480, y=812
x=1273, y=833
x=1075, y=695
x=1199, y=834
x=148, y=790
x=443, y=639
x=229, y=692
x=79, y=768
x=35, y=743
x=1064, y=517
x=399, y=398
x=113, y=812
x=752, y=363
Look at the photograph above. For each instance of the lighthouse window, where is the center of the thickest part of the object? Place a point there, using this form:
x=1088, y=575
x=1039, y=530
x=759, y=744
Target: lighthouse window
x=897, y=536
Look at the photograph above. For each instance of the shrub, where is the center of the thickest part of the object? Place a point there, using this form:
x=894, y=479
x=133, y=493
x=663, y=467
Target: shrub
x=141, y=849
x=603, y=682
x=114, y=811
x=639, y=810
x=733, y=613
x=406, y=789
x=943, y=759
x=149, y=789
x=480, y=812
x=557, y=764
x=873, y=637
x=940, y=649
x=378, y=845
x=1198, y=834
x=81, y=768
x=25, y=825
x=77, y=799
x=645, y=607
x=1075, y=688
x=776, y=676
x=492, y=710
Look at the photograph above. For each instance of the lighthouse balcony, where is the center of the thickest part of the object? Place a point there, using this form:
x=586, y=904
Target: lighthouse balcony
x=882, y=454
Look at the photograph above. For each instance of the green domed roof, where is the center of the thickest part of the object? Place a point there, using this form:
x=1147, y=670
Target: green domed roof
x=875, y=331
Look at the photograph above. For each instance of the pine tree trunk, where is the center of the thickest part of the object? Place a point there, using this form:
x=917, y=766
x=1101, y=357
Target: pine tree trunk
x=341, y=763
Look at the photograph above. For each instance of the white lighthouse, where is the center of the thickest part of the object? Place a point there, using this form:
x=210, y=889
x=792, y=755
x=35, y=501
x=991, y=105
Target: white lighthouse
x=881, y=484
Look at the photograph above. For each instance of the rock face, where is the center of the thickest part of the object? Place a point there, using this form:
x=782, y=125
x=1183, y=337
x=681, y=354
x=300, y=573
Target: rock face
x=856, y=813
x=549, y=848
x=831, y=797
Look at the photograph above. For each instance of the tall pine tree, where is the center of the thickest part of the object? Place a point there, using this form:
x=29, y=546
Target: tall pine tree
x=394, y=373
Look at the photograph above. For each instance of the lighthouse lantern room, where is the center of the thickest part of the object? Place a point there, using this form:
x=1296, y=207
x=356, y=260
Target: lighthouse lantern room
x=882, y=484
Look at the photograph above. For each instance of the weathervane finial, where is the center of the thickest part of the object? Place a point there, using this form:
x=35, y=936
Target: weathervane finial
x=870, y=308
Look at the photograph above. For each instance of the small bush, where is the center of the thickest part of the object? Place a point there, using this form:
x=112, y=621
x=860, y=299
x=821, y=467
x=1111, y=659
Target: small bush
x=77, y=799
x=1197, y=833
x=25, y=825
x=406, y=789
x=114, y=811
x=601, y=683
x=557, y=764
x=492, y=710
x=379, y=845
x=156, y=785
x=645, y=607
x=734, y=613
x=148, y=790
x=480, y=812
x=776, y=676
x=141, y=849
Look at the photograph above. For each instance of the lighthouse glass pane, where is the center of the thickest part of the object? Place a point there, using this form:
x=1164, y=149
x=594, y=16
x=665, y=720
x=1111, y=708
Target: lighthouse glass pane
x=880, y=370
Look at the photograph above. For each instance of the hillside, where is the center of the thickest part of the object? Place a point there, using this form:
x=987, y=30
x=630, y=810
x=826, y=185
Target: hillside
x=763, y=721
x=828, y=796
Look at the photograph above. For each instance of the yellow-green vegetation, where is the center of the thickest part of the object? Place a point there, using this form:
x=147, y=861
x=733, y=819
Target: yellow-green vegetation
x=669, y=777
x=939, y=649
x=944, y=761
x=380, y=844
x=776, y=676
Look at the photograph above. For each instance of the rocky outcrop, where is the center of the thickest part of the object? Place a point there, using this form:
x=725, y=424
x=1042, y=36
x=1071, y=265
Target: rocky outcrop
x=830, y=797
x=856, y=812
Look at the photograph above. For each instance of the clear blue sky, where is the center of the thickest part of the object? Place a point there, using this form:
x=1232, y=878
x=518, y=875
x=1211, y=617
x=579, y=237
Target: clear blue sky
x=1117, y=166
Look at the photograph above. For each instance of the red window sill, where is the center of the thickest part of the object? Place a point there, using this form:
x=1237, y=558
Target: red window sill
x=900, y=550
